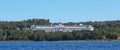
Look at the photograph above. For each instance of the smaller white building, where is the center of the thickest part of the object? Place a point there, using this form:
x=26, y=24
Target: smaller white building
x=63, y=28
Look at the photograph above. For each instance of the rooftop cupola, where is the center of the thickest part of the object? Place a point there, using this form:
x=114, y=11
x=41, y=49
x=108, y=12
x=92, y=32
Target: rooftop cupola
x=80, y=24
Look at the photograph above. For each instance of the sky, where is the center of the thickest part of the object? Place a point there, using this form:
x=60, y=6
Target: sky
x=60, y=10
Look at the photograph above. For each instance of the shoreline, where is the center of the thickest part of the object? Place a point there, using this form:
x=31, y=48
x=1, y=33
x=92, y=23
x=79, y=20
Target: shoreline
x=63, y=41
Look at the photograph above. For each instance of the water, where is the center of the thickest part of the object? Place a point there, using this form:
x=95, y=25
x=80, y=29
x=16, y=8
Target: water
x=60, y=45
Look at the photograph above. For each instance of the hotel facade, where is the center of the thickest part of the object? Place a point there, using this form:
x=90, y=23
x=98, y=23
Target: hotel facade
x=63, y=28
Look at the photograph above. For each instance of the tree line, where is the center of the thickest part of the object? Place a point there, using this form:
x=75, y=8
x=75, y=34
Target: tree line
x=6, y=35
x=104, y=30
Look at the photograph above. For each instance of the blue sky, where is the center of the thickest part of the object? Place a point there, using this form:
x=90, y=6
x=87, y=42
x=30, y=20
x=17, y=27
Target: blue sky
x=60, y=10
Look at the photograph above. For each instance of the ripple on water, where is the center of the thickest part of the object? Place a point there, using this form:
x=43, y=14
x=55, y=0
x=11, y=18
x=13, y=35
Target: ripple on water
x=59, y=46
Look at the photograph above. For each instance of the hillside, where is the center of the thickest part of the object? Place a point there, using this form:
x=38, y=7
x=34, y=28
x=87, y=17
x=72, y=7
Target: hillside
x=104, y=30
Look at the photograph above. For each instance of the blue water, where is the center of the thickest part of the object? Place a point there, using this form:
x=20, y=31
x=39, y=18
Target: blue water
x=59, y=45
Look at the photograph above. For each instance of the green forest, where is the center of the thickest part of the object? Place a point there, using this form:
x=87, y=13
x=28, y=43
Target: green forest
x=104, y=30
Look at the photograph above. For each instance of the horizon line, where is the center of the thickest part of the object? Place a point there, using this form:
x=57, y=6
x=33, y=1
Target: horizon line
x=58, y=21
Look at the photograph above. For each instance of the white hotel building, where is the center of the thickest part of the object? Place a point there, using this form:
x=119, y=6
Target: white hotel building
x=63, y=28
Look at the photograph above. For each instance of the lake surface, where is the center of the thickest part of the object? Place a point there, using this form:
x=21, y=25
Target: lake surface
x=60, y=45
